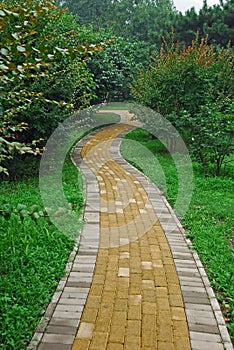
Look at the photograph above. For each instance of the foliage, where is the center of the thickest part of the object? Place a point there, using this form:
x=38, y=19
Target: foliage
x=143, y=20
x=192, y=87
x=113, y=69
x=148, y=21
x=43, y=70
x=88, y=11
x=33, y=256
x=210, y=226
x=213, y=132
x=9, y=145
x=216, y=21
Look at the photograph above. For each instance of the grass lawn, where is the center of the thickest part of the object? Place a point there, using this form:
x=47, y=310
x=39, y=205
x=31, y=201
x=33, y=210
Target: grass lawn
x=208, y=222
x=106, y=118
x=116, y=106
x=33, y=256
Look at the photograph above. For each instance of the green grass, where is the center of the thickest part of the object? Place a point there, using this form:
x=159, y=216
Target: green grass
x=106, y=118
x=33, y=257
x=208, y=222
x=116, y=106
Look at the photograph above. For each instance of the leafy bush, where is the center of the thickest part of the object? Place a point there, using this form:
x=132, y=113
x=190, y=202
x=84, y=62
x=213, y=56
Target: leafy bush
x=43, y=72
x=193, y=88
x=112, y=69
x=114, y=66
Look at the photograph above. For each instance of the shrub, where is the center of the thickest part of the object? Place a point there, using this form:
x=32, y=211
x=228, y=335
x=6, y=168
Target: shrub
x=43, y=72
x=193, y=88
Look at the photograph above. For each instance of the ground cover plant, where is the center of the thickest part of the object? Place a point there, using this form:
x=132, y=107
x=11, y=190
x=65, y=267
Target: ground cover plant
x=209, y=220
x=33, y=255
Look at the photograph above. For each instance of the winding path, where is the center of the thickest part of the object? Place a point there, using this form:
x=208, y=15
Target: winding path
x=133, y=283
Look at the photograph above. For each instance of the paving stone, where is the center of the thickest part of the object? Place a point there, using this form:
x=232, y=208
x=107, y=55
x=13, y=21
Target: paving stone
x=132, y=282
x=57, y=338
x=85, y=330
x=55, y=346
x=81, y=344
x=117, y=334
x=67, y=314
x=61, y=330
x=68, y=307
x=64, y=322
x=203, y=328
x=205, y=307
x=115, y=346
x=198, y=345
x=205, y=337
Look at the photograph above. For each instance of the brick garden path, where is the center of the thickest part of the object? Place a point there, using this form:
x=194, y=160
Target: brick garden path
x=133, y=283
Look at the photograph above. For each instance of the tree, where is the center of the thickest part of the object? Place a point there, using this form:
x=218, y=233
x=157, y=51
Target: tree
x=114, y=67
x=88, y=11
x=216, y=21
x=143, y=20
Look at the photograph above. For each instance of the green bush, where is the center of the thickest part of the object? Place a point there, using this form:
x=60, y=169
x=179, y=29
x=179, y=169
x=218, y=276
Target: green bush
x=114, y=67
x=43, y=73
x=193, y=88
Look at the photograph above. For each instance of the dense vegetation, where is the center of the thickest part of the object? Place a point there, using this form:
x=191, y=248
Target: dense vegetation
x=33, y=251
x=148, y=20
x=192, y=87
x=55, y=63
x=50, y=68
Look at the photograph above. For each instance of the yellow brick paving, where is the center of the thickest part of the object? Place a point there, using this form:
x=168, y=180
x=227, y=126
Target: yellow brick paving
x=135, y=299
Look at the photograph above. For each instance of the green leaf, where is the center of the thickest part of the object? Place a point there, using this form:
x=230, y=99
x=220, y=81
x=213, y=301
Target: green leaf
x=3, y=67
x=21, y=207
x=21, y=48
x=34, y=208
x=3, y=170
x=12, y=13
x=4, y=51
x=15, y=36
x=35, y=216
x=24, y=213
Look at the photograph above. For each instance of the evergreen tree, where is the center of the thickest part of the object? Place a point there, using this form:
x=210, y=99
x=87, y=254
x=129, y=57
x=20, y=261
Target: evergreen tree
x=215, y=21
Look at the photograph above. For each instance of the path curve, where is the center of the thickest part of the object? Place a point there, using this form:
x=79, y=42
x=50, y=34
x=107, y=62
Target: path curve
x=134, y=282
